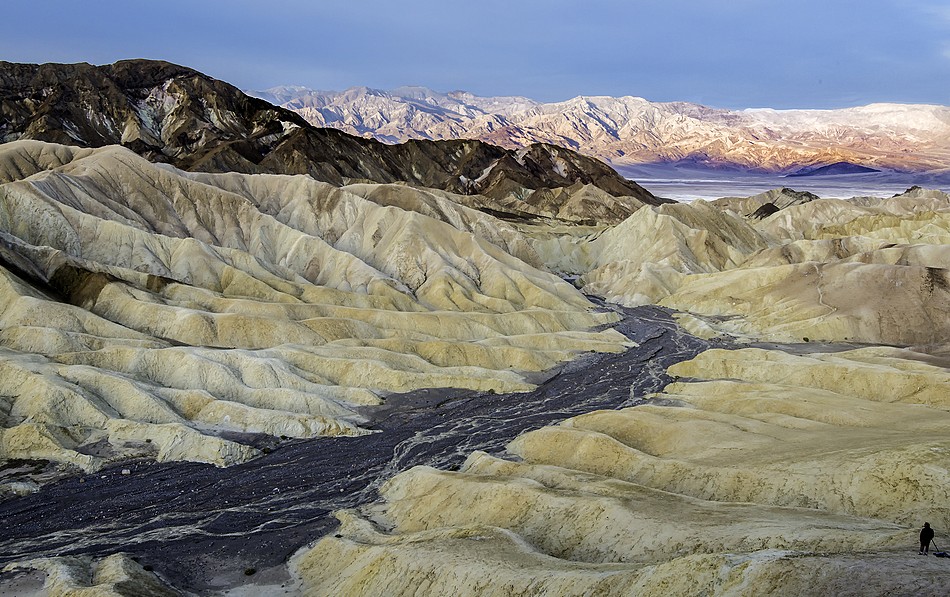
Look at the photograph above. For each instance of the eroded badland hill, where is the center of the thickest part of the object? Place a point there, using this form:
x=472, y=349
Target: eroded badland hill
x=185, y=270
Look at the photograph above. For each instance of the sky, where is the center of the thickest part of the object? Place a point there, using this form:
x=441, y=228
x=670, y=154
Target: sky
x=721, y=53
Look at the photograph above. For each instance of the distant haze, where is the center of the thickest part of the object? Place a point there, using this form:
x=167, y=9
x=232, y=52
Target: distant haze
x=742, y=53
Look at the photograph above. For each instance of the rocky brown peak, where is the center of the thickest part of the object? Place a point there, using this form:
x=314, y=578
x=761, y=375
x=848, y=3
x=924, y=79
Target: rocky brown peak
x=174, y=114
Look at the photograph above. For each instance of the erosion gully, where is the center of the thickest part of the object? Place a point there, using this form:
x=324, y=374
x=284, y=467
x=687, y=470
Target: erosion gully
x=200, y=526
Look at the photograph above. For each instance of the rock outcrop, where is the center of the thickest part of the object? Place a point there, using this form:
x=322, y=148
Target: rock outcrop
x=765, y=204
x=117, y=575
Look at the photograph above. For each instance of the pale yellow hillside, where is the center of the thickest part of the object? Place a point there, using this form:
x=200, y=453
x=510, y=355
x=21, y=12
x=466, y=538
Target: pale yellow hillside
x=768, y=474
x=146, y=310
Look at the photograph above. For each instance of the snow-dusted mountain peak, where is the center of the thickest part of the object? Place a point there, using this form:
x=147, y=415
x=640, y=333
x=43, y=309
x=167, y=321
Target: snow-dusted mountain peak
x=631, y=130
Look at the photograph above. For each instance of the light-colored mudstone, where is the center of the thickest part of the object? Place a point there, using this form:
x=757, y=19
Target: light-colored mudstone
x=873, y=271
x=146, y=309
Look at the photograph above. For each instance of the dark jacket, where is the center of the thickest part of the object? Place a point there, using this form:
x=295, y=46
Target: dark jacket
x=926, y=535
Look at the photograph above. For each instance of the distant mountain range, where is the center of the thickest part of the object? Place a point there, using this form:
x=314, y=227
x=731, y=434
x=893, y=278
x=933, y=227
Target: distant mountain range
x=627, y=131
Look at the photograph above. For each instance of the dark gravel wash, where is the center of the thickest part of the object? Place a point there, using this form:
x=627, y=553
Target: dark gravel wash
x=199, y=525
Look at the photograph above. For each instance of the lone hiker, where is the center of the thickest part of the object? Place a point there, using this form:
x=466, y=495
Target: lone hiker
x=926, y=536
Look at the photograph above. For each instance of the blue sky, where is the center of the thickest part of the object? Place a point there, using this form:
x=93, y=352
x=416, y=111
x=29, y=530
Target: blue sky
x=728, y=53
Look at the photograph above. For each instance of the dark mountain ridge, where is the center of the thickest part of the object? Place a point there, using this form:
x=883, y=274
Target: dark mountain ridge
x=173, y=114
x=836, y=169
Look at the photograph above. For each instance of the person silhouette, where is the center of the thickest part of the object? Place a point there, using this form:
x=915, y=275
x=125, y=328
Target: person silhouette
x=926, y=536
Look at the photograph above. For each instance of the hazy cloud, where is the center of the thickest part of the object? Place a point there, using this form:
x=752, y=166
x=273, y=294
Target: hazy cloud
x=812, y=53
x=941, y=17
x=941, y=12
